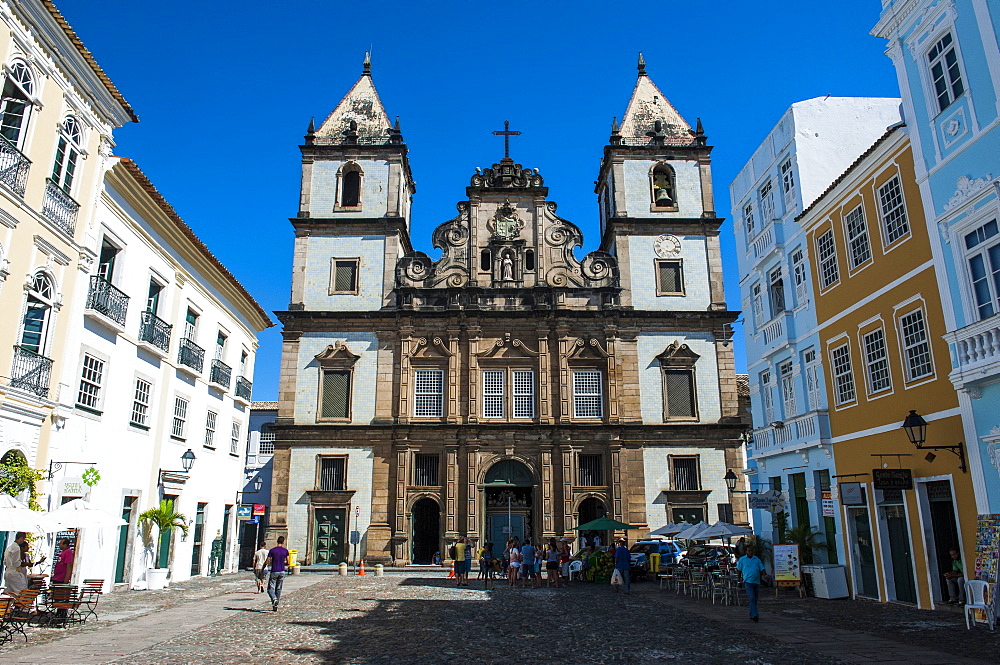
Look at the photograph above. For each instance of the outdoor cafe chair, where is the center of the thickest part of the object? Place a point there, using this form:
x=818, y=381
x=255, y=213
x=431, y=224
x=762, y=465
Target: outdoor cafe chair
x=64, y=605
x=975, y=599
x=23, y=611
x=682, y=581
x=90, y=594
x=717, y=587
x=668, y=578
x=6, y=628
x=698, y=586
x=575, y=569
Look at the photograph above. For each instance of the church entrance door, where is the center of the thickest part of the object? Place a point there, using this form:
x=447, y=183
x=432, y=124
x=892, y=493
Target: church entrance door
x=590, y=510
x=509, y=489
x=425, y=530
x=329, y=543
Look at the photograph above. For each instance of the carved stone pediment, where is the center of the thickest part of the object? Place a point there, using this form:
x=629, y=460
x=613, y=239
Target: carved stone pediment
x=505, y=223
x=507, y=348
x=677, y=354
x=587, y=349
x=337, y=355
x=430, y=348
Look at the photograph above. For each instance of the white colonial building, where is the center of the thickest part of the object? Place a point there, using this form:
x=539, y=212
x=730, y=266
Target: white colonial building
x=159, y=362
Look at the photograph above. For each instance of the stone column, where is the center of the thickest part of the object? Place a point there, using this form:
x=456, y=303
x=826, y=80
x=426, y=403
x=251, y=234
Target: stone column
x=454, y=379
x=406, y=349
x=548, y=491
x=729, y=400
x=382, y=547
x=567, y=452
x=474, y=332
x=565, y=390
x=545, y=410
x=451, y=491
x=716, y=287
x=613, y=371
x=473, y=501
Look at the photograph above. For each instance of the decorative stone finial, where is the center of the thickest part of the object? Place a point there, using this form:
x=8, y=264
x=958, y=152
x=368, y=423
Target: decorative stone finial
x=312, y=126
x=642, y=65
x=367, y=70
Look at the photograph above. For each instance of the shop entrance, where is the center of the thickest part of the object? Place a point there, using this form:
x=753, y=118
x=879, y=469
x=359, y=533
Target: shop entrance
x=591, y=509
x=508, y=497
x=425, y=536
x=862, y=553
x=900, y=557
x=945, y=532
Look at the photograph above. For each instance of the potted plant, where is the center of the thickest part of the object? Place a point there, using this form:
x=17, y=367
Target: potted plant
x=165, y=519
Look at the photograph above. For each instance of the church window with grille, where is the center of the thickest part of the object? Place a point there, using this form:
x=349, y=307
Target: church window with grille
x=428, y=393
x=677, y=366
x=425, y=470
x=332, y=474
x=493, y=393
x=669, y=278
x=16, y=107
x=588, y=394
x=508, y=391
x=343, y=276
x=684, y=474
x=266, y=441
x=591, y=470
x=335, y=394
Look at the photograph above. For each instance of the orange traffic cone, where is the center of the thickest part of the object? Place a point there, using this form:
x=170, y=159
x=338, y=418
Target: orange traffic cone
x=361, y=571
x=452, y=572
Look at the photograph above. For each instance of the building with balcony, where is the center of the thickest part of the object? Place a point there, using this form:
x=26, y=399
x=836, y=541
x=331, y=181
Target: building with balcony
x=881, y=326
x=58, y=112
x=790, y=450
x=507, y=387
x=135, y=392
x=948, y=65
x=257, y=485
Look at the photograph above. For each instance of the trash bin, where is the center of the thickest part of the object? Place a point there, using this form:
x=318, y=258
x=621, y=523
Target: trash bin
x=829, y=580
x=293, y=558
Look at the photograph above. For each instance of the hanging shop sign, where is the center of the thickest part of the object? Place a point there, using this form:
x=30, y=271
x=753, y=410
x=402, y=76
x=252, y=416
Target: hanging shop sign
x=829, y=509
x=851, y=494
x=244, y=512
x=259, y=509
x=892, y=479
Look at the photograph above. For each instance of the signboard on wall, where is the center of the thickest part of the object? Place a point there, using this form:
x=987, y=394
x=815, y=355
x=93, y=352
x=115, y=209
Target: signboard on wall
x=851, y=494
x=786, y=563
x=259, y=509
x=829, y=509
x=244, y=512
x=892, y=479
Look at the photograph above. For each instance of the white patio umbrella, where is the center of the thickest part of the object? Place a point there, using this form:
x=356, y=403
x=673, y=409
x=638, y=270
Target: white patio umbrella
x=723, y=530
x=670, y=529
x=80, y=514
x=15, y=516
x=692, y=532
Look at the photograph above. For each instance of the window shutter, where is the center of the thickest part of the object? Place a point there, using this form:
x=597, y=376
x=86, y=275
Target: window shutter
x=336, y=391
x=680, y=393
x=344, y=278
x=669, y=277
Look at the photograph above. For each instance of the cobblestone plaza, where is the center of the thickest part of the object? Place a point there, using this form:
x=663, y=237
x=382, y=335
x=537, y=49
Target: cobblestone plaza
x=420, y=617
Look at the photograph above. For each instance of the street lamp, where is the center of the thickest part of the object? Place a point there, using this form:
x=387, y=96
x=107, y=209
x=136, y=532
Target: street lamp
x=257, y=484
x=916, y=431
x=730, y=480
x=187, y=460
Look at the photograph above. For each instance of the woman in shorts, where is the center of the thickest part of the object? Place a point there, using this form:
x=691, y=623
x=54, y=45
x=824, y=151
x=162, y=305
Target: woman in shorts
x=515, y=561
x=552, y=564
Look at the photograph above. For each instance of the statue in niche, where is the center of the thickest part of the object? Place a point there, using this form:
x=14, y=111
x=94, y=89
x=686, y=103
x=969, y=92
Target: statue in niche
x=507, y=268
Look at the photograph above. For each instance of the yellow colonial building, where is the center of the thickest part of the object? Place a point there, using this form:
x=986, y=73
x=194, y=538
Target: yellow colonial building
x=57, y=113
x=880, y=325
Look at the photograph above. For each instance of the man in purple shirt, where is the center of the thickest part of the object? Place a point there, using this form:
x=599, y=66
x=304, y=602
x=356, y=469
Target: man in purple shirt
x=277, y=558
x=622, y=562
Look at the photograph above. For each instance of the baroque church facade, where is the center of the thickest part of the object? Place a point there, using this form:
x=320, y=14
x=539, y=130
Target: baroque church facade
x=507, y=387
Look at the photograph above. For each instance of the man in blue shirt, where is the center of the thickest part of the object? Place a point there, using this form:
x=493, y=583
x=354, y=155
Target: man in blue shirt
x=528, y=554
x=750, y=568
x=623, y=560
x=277, y=559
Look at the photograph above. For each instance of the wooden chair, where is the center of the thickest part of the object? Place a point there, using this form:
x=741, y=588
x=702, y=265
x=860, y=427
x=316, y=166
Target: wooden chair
x=64, y=603
x=23, y=611
x=6, y=629
x=91, y=594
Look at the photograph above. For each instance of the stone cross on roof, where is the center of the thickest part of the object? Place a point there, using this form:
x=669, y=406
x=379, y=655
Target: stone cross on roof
x=506, y=134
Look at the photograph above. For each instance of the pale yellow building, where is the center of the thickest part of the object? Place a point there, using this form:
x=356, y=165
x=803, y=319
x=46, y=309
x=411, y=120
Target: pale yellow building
x=57, y=114
x=880, y=325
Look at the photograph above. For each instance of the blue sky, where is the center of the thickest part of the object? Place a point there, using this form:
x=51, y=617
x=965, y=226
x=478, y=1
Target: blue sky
x=225, y=91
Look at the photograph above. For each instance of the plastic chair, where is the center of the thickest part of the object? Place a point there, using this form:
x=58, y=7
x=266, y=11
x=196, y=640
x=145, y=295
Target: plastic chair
x=575, y=569
x=975, y=599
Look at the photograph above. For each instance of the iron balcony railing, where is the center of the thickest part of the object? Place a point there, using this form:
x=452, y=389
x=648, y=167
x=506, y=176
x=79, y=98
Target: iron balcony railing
x=243, y=388
x=105, y=298
x=31, y=371
x=220, y=374
x=191, y=354
x=13, y=167
x=155, y=331
x=60, y=207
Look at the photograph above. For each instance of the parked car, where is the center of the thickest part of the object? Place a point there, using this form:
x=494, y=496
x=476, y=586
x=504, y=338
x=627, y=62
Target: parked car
x=708, y=556
x=670, y=552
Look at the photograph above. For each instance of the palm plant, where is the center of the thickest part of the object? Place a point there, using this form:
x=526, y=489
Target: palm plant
x=165, y=519
x=808, y=538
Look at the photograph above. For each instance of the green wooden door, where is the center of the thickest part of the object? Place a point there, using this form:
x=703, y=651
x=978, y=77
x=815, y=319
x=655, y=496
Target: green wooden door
x=165, y=548
x=123, y=538
x=328, y=548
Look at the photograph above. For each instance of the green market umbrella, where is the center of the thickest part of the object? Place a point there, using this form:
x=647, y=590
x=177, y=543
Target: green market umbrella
x=603, y=524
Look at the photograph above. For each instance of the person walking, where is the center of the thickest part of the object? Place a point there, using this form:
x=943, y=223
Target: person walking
x=259, y=569
x=552, y=564
x=62, y=573
x=486, y=559
x=750, y=567
x=469, y=551
x=277, y=560
x=622, y=562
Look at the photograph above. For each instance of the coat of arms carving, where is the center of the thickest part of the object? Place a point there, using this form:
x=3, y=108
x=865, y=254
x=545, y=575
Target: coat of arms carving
x=505, y=224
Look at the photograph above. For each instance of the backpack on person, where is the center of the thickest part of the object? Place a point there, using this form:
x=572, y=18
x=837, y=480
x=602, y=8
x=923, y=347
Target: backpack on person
x=452, y=552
